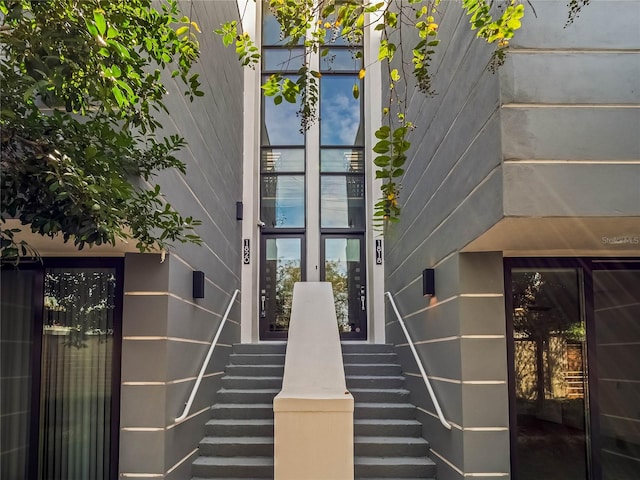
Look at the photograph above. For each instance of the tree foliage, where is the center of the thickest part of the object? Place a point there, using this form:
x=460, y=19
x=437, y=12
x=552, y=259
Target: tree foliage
x=318, y=23
x=81, y=87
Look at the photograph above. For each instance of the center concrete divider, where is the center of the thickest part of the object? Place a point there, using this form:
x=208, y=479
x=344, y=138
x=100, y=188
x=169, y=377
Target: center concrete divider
x=313, y=429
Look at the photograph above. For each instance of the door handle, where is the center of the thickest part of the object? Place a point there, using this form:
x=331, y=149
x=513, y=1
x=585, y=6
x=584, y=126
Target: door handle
x=363, y=301
x=263, y=308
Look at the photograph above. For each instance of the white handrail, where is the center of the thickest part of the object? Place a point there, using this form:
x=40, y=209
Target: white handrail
x=432, y=394
x=194, y=390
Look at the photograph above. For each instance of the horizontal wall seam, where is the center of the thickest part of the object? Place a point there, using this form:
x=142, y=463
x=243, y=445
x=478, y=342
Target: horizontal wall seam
x=548, y=161
x=429, y=307
x=487, y=474
x=571, y=105
x=618, y=417
x=486, y=429
x=459, y=382
x=447, y=462
x=452, y=338
x=603, y=51
x=621, y=380
x=207, y=279
x=618, y=454
x=481, y=295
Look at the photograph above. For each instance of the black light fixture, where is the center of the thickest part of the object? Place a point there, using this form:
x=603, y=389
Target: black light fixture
x=198, y=284
x=428, y=282
x=239, y=211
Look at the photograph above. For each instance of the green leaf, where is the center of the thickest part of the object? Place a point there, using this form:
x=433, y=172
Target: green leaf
x=356, y=91
x=100, y=22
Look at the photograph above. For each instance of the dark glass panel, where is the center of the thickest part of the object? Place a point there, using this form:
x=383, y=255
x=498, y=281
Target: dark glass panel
x=550, y=374
x=283, y=268
x=342, y=267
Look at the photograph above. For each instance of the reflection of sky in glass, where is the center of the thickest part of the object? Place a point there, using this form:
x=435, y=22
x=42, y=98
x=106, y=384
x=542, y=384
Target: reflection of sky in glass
x=284, y=249
x=282, y=59
x=340, y=60
x=342, y=250
x=281, y=123
x=339, y=111
x=341, y=160
x=337, y=210
x=282, y=160
x=286, y=210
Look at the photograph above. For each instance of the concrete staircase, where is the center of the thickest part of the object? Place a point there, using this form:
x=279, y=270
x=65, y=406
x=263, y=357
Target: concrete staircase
x=238, y=440
x=239, y=436
x=388, y=438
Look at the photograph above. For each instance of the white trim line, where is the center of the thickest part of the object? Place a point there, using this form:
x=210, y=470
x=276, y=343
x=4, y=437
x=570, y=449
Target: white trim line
x=180, y=462
x=546, y=161
x=482, y=295
x=434, y=415
x=570, y=105
x=443, y=459
x=142, y=475
x=170, y=382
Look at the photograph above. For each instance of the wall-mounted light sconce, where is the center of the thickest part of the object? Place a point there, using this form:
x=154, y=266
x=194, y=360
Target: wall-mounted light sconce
x=198, y=284
x=428, y=282
x=239, y=211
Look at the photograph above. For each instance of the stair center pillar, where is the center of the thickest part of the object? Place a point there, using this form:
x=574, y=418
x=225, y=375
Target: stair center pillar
x=314, y=411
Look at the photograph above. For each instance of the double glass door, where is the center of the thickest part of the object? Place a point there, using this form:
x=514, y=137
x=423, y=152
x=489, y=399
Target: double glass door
x=342, y=263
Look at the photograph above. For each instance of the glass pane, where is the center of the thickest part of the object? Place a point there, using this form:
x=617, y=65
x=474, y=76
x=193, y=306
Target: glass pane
x=77, y=348
x=340, y=112
x=281, y=124
x=282, y=160
x=343, y=270
x=342, y=202
x=271, y=34
x=617, y=327
x=341, y=60
x=282, y=203
x=550, y=374
x=16, y=322
x=282, y=59
x=283, y=268
x=342, y=160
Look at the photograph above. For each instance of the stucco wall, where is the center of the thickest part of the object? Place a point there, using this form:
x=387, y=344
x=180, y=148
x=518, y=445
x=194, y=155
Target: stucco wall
x=553, y=134
x=166, y=332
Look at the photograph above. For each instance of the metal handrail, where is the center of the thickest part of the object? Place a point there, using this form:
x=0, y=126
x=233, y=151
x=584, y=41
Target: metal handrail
x=432, y=394
x=194, y=390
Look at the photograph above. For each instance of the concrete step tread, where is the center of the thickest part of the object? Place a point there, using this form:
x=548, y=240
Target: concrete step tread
x=240, y=421
x=249, y=390
x=242, y=461
x=371, y=365
x=376, y=390
x=383, y=405
x=238, y=440
x=379, y=421
x=393, y=461
x=373, y=377
x=394, y=440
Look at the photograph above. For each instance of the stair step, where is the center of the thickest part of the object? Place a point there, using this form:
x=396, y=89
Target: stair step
x=374, y=381
x=394, y=467
x=380, y=369
x=260, y=348
x=367, y=348
x=369, y=446
x=241, y=395
x=232, y=382
x=254, y=427
x=256, y=359
x=349, y=358
x=244, y=410
x=233, y=467
x=237, y=446
x=387, y=395
x=255, y=370
x=386, y=427
x=385, y=410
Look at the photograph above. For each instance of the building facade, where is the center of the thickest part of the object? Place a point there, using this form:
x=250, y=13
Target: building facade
x=522, y=192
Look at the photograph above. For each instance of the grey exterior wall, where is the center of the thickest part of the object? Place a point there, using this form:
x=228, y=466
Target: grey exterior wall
x=553, y=134
x=166, y=332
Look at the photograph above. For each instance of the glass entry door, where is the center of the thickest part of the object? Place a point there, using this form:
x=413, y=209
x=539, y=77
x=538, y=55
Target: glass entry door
x=343, y=264
x=282, y=264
